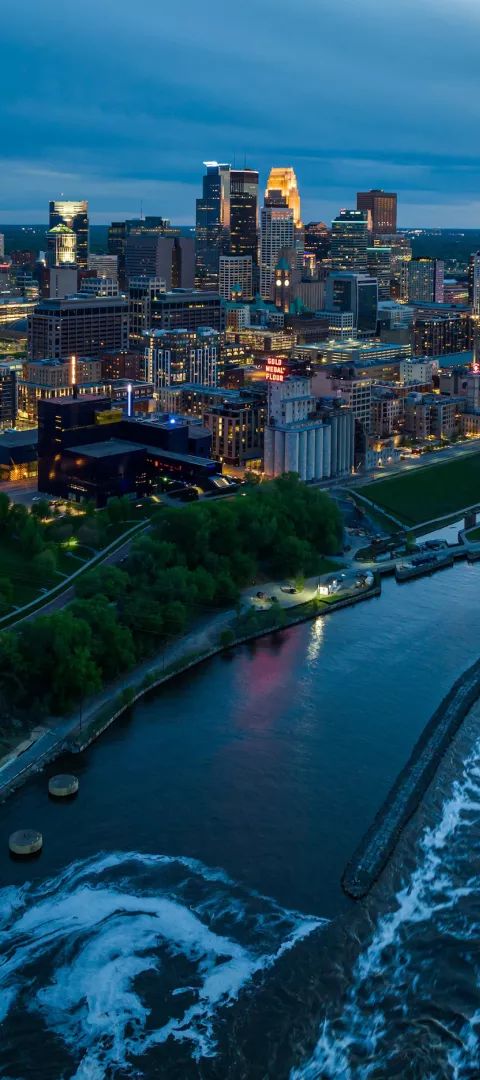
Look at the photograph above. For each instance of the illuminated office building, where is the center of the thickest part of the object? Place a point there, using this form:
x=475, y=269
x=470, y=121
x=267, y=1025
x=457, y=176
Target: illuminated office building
x=382, y=208
x=425, y=280
x=284, y=182
x=235, y=277
x=244, y=213
x=75, y=216
x=277, y=236
x=105, y=266
x=62, y=246
x=379, y=261
x=349, y=241
x=212, y=224
x=80, y=326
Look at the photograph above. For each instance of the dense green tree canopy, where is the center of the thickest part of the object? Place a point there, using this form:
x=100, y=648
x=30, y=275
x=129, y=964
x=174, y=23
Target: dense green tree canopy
x=193, y=559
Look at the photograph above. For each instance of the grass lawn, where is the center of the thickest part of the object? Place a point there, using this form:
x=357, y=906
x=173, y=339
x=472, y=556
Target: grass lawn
x=430, y=492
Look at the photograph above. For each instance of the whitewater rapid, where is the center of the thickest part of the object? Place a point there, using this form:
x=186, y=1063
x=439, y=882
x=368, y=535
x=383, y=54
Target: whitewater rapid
x=122, y=952
x=412, y=1007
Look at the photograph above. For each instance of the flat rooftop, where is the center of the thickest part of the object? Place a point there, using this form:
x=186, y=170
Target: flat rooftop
x=114, y=447
x=19, y=438
x=110, y=448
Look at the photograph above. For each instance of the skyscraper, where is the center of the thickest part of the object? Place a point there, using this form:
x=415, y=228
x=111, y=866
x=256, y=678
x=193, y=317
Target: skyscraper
x=284, y=182
x=244, y=213
x=317, y=239
x=474, y=282
x=357, y=293
x=235, y=277
x=350, y=240
x=382, y=206
x=277, y=235
x=379, y=260
x=212, y=223
x=75, y=216
x=153, y=254
x=425, y=280
x=62, y=246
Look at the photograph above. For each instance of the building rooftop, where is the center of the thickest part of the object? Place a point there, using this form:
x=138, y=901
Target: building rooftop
x=18, y=447
x=110, y=448
x=114, y=447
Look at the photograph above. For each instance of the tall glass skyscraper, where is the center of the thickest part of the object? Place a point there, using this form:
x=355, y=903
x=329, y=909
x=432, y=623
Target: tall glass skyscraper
x=75, y=216
x=350, y=240
x=244, y=213
x=212, y=224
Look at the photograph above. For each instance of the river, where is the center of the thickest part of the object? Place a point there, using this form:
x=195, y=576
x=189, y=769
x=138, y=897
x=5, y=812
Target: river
x=185, y=917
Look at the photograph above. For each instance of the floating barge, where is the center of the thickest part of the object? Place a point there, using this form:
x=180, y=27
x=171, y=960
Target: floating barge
x=420, y=565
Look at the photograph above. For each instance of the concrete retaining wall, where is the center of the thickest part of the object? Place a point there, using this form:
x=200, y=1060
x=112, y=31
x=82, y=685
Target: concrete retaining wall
x=379, y=842
x=77, y=744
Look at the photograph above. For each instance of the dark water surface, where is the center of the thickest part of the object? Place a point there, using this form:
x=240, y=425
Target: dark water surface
x=185, y=917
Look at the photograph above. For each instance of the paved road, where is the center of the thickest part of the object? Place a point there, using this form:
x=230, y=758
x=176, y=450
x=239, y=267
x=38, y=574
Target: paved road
x=68, y=594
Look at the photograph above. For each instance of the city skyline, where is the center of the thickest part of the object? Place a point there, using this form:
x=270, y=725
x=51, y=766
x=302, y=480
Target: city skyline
x=349, y=98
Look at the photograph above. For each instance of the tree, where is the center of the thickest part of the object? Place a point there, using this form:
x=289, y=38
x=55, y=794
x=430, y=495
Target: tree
x=175, y=618
x=109, y=581
x=113, y=645
x=4, y=510
x=41, y=508
x=6, y=595
x=44, y=565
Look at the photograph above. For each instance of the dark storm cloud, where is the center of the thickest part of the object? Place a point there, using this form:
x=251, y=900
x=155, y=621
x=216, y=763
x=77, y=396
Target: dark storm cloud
x=121, y=102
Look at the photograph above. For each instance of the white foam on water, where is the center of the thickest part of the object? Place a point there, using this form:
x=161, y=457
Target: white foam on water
x=359, y=1041
x=92, y=954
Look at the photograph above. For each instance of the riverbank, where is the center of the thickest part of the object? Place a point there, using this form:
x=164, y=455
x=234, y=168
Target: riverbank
x=78, y=732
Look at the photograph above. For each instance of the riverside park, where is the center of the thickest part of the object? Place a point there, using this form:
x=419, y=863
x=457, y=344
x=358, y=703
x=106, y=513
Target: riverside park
x=426, y=494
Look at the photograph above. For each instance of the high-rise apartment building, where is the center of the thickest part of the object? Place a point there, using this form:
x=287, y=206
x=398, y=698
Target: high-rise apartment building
x=235, y=277
x=77, y=326
x=75, y=216
x=425, y=280
x=350, y=238
x=244, y=213
x=382, y=208
x=212, y=223
x=277, y=235
x=181, y=356
x=2, y=246
x=441, y=333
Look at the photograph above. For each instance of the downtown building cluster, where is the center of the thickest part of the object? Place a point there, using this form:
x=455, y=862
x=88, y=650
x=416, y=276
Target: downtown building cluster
x=272, y=345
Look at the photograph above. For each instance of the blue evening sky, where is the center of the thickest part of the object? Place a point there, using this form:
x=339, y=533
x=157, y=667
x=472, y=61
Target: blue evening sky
x=120, y=101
